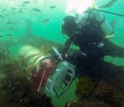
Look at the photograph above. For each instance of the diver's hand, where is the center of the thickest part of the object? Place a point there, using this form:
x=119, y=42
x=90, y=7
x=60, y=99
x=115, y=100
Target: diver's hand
x=62, y=57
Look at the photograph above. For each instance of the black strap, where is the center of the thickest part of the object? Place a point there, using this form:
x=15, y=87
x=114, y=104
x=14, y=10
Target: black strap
x=89, y=13
x=100, y=23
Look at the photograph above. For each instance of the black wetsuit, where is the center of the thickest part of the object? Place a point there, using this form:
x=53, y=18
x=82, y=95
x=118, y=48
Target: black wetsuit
x=90, y=60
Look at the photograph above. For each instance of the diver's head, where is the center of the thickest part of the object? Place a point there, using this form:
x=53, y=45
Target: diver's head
x=69, y=26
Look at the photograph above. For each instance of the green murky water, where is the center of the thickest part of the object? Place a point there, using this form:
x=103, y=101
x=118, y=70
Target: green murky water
x=20, y=18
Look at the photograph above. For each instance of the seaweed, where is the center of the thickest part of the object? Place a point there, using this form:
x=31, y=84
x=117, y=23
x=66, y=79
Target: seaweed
x=89, y=94
x=84, y=87
x=15, y=87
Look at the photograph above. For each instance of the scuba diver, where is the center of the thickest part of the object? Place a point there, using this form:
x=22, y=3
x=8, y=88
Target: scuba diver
x=91, y=32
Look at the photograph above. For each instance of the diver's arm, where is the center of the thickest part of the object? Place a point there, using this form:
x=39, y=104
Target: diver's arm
x=91, y=51
x=107, y=49
x=112, y=49
x=65, y=47
x=77, y=56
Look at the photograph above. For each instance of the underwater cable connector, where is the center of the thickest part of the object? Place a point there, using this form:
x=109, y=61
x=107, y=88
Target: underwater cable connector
x=56, y=78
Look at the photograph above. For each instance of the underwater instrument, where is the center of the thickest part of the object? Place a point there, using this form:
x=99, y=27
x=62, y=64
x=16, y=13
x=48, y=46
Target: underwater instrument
x=43, y=65
x=61, y=78
x=56, y=51
x=47, y=74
